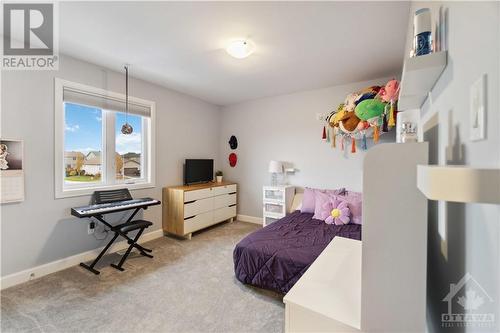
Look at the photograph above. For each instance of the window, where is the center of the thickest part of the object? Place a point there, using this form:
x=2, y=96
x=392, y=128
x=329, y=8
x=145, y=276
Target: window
x=91, y=151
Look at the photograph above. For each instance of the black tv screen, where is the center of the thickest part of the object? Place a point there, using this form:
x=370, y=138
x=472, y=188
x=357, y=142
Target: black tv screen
x=198, y=171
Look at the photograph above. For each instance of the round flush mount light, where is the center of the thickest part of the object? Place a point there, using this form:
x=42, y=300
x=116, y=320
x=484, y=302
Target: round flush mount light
x=241, y=48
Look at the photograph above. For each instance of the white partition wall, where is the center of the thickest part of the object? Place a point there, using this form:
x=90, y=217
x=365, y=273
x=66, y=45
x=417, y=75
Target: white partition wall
x=394, y=240
x=377, y=284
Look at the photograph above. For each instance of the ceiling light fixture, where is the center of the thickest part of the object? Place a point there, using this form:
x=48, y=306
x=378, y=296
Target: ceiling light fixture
x=241, y=48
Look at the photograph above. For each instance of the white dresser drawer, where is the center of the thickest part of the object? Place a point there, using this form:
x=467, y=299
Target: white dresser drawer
x=222, y=214
x=218, y=190
x=198, y=207
x=224, y=200
x=198, y=222
x=198, y=194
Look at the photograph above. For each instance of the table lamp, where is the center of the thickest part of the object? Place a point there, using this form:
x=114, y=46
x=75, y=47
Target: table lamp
x=275, y=167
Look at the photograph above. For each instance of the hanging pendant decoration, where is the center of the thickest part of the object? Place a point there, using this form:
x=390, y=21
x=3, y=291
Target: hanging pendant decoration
x=126, y=128
x=324, y=134
x=334, y=139
x=365, y=147
x=353, y=145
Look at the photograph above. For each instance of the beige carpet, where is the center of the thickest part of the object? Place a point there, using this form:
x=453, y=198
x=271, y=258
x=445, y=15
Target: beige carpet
x=189, y=286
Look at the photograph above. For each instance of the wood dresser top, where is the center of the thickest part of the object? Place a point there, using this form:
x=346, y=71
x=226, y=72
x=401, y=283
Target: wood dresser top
x=200, y=186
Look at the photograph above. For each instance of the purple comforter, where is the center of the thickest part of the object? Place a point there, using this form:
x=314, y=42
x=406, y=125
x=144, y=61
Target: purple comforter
x=276, y=256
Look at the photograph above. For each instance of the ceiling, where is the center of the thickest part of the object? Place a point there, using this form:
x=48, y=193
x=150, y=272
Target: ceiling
x=181, y=45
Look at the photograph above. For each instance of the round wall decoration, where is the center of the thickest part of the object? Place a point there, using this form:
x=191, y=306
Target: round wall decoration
x=233, y=159
x=233, y=142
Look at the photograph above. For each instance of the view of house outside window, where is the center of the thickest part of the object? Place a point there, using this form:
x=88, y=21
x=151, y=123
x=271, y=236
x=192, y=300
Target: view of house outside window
x=84, y=141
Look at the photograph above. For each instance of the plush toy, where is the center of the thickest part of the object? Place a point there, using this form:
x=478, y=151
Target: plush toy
x=339, y=214
x=370, y=89
x=350, y=102
x=349, y=122
x=370, y=95
x=369, y=109
x=339, y=114
x=390, y=91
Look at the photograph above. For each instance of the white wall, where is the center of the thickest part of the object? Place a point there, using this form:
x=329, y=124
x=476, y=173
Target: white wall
x=40, y=229
x=464, y=237
x=285, y=128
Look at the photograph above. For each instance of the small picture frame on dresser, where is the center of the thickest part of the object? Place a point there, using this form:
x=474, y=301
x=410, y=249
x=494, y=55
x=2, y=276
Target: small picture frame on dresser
x=11, y=170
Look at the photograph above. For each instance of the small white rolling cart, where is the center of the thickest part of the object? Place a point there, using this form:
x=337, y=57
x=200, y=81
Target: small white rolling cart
x=277, y=202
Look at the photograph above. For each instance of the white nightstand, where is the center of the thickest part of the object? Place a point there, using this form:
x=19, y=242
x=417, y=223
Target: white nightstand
x=277, y=202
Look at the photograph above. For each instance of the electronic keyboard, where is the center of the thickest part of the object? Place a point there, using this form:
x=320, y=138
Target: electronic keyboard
x=113, y=207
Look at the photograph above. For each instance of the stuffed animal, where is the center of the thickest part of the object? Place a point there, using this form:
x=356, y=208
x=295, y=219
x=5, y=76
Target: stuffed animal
x=390, y=92
x=349, y=122
x=371, y=90
x=339, y=214
x=366, y=96
x=369, y=109
x=350, y=102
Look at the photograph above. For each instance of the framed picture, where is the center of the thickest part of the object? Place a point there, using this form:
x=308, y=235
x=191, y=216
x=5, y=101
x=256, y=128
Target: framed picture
x=11, y=170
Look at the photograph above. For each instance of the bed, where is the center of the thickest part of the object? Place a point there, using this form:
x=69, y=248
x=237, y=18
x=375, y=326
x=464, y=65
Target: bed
x=276, y=256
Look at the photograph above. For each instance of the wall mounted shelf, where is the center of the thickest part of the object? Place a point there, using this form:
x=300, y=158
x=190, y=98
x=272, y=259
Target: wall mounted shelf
x=459, y=183
x=420, y=74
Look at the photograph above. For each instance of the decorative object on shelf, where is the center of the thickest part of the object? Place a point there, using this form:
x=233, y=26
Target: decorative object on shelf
x=233, y=159
x=422, y=28
x=4, y=151
x=218, y=176
x=11, y=170
x=409, y=132
x=362, y=115
x=126, y=128
x=233, y=142
x=339, y=212
x=275, y=168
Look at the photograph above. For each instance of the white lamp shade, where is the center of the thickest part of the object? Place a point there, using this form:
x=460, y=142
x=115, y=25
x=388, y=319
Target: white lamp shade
x=275, y=167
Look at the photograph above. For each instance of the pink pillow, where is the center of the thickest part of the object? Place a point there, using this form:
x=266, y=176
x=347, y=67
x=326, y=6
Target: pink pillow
x=355, y=203
x=308, y=201
x=322, y=208
x=309, y=198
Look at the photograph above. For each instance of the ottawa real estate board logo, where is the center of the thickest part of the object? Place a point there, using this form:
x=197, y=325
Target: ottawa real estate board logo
x=469, y=305
x=29, y=36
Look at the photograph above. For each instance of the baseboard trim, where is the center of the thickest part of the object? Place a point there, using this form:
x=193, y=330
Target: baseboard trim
x=248, y=218
x=58, y=265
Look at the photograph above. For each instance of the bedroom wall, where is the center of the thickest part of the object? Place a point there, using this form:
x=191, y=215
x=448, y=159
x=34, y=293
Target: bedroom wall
x=285, y=128
x=464, y=238
x=40, y=230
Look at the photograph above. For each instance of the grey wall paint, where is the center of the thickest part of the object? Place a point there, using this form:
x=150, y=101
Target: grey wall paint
x=471, y=242
x=40, y=230
x=285, y=128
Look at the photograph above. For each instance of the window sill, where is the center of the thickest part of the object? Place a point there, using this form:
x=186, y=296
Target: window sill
x=84, y=191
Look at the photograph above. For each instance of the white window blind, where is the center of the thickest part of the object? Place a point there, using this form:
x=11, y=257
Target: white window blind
x=104, y=102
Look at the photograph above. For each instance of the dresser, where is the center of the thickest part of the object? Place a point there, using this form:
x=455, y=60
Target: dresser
x=190, y=208
x=277, y=202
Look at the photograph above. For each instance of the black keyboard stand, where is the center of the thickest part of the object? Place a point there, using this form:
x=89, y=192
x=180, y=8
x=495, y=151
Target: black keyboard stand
x=122, y=230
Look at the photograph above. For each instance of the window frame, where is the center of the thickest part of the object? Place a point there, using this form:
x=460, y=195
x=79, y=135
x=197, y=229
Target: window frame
x=148, y=155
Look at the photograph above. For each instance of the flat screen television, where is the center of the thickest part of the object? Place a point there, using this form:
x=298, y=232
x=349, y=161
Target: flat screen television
x=198, y=171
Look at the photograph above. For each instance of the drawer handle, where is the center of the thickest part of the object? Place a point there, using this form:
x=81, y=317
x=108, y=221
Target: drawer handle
x=187, y=218
x=232, y=205
x=189, y=202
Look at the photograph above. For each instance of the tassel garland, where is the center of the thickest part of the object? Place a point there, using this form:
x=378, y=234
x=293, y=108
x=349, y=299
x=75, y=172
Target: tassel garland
x=384, y=124
x=353, y=147
x=328, y=135
x=334, y=139
x=364, y=142
x=392, y=115
x=375, y=134
x=324, y=134
x=342, y=143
